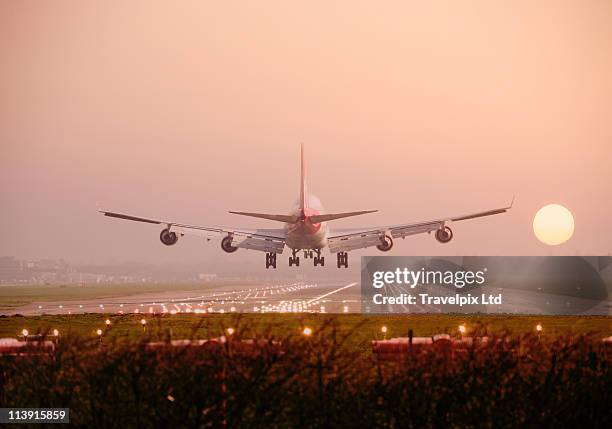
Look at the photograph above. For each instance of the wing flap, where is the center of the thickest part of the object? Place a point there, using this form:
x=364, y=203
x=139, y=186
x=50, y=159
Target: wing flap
x=263, y=244
x=406, y=230
x=352, y=242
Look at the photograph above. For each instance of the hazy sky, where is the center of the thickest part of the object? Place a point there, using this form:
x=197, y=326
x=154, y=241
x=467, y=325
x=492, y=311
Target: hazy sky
x=184, y=110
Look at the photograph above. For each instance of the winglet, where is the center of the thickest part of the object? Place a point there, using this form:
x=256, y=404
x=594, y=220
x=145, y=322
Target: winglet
x=511, y=203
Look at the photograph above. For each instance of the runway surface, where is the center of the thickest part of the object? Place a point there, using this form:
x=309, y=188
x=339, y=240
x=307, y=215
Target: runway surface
x=305, y=297
x=332, y=297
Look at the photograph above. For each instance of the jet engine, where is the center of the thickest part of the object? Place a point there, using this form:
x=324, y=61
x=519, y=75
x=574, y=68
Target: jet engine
x=226, y=244
x=444, y=235
x=386, y=243
x=168, y=237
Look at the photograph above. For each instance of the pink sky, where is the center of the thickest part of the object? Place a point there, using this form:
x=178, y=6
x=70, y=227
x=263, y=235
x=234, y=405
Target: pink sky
x=186, y=110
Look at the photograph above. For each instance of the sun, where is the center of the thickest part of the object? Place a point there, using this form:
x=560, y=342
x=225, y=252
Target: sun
x=553, y=224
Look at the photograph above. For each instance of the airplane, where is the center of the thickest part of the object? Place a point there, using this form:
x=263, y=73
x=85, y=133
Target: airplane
x=306, y=231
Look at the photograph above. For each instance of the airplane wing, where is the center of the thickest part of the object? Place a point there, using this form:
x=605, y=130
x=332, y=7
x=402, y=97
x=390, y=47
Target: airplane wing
x=343, y=241
x=265, y=240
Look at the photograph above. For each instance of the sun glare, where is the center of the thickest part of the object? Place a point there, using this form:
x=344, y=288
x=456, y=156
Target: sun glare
x=553, y=224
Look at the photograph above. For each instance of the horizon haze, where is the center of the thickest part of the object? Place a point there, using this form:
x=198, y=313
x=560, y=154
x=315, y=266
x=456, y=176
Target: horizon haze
x=418, y=110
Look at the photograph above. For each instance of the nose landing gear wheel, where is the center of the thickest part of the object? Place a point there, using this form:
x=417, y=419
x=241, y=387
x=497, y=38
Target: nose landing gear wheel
x=294, y=259
x=318, y=260
x=270, y=260
x=308, y=254
x=342, y=259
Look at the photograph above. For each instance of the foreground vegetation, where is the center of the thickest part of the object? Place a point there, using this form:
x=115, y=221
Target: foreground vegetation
x=327, y=379
x=212, y=325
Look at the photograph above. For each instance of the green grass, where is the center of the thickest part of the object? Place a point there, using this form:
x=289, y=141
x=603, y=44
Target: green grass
x=366, y=328
x=15, y=296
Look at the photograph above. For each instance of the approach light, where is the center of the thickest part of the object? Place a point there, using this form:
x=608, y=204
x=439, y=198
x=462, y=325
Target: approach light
x=143, y=322
x=230, y=331
x=383, y=329
x=99, y=332
x=539, y=327
x=108, y=322
x=25, y=333
x=462, y=329
x=55, y=333
x=307, y=331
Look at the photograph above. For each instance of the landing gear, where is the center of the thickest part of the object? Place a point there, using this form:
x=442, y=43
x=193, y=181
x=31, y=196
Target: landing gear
x=342, y=259
x=318, y=260
x=308, y=254
x=270, y=260
x=294, y=259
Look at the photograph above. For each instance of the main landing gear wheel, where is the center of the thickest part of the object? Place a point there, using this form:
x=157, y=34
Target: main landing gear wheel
x=318, y=260
x=294, y=259
x=342, y=259
x=270, y=260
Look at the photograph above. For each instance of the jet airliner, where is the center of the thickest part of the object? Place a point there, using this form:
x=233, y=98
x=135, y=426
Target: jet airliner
x=306, y=230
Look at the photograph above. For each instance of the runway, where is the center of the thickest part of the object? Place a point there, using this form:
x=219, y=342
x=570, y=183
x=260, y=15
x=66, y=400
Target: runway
x=300, y=297
x=303, y=297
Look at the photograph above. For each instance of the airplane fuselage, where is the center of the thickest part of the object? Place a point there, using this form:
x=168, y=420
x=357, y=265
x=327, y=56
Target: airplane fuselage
x=304, y=234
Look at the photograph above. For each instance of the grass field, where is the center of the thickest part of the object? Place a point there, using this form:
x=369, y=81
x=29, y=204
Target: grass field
x=14, y=296
x=366, y=328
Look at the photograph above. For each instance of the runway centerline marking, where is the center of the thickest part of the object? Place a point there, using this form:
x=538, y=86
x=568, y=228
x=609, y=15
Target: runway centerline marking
x=329, y=293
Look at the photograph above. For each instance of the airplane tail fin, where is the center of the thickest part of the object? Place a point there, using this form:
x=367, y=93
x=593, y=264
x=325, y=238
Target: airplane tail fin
x=303, y=193
x=277, y=217
x=334, y=216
